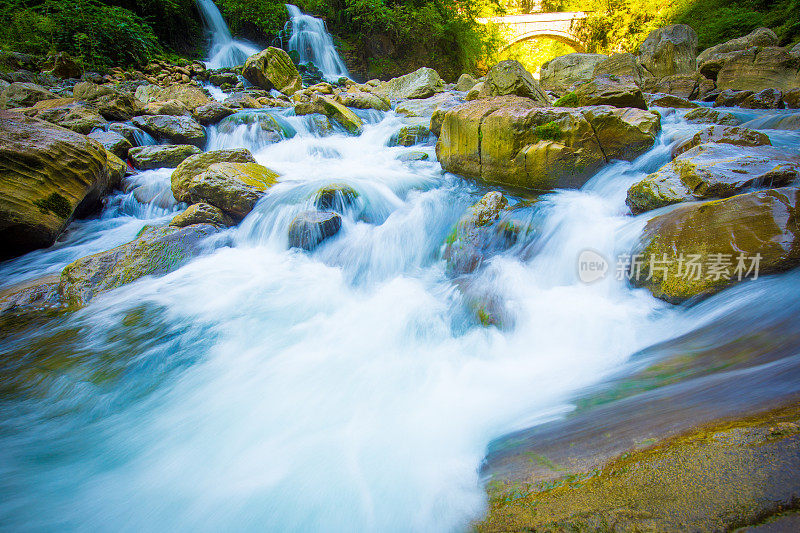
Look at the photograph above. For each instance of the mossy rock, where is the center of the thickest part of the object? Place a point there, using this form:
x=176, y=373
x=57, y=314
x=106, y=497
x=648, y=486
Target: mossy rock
x=335, y=197
x=175, y=129
x=272, y=68
x=189, y=95
x=198, y=163
x=235, y=188
x=333, y=110
x=704, y=115
x=201, y=213
x=161, y=156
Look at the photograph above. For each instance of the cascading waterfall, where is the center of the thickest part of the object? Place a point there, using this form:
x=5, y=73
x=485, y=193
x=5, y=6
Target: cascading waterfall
x=311, y=40
x=225, y=50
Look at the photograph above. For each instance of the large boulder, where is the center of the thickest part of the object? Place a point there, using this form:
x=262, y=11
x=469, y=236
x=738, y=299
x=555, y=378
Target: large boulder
x=177, y=130
x=669, y=50
x=113, y=142
x=675, y=102
x=156, y=251
x=67, y=113
x=758, y=37
x=766, y=99
x=723, y=134
x=235, y=188
x=422, y=83
x=24, y=95
x=712, y=171
x=726, y=237
x=199, y=163
x=682, y=85
x=189, y=95
x=109, y=101
x=272, y=68
x=333, y=110
x=605, y=90
x=623, y=66
x=48, y=175
x=509, y=77
x=161, y=156
x=310, y=228
x=514, y=142
x=465, y=82
x=759, y=68
x=561, y=74
x=731, y=97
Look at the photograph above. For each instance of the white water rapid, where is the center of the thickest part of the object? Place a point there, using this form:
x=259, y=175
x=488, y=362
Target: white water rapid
x=225, y=50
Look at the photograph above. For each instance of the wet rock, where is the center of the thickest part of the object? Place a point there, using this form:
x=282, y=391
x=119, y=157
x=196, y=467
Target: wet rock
x=609, y=91
x=155, y=252
x=712, y=171
x=704, y=115
x=474, y=237
x=410, y=135
x=161, y=156
x=709, y=61
x=202, y=213
x=128, y=131
x=31, y=297
x=178, y=130
x=242, y=101
x=24, y=95
x=669, y=50
x=792, y=98
x=66, y=113
x=475, y=92
x=48, y=175
x=113, y=142
x=273, y=69
x=221, y=77
x=766, y=99
x=515, y=142
x=407, y=157
x=465, y=82
x=509, y=77
x=234, y=188
x=761, y=222
x=335, y=197
x=723, y=134
x=362, y=100
x=427, y=107
x=212, y=113
x=170, y=107
x=117, y=168
x=564, y=72
x=668, y=100
x=623, y=67
x=759, y=68
x=309, y=229
x=189, y=95
x=422, y=83
x=731, y=98
x=199, y=163
x=333, y=110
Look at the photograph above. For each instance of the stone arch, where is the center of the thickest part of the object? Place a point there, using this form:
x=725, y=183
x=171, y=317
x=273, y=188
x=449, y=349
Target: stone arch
x=560, y=36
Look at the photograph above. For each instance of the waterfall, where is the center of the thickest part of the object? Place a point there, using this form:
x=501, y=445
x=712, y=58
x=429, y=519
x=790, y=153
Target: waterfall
x=311, y=40
x=225, y=50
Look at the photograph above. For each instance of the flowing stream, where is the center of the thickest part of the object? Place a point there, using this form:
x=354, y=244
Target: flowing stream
x=346, y=389
x=225, y=50
x=312, y=42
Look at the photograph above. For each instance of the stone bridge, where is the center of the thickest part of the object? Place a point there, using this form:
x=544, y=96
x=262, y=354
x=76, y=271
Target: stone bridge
x=559, y=26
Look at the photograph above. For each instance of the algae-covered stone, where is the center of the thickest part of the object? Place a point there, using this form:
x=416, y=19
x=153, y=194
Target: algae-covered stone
x=161, y=156
x=113, y=142
x=170, y=107
x=669, y=50
x=235, y=188
x=335, y=197
x=410, y=135
x=199, y=163
x=191, y=96
x=509, y=77
x=704, y=115
x=48, y=175
x=272, y=68
x=723, y=134
x=762, y=223
x=156, y=251
x=24, y=95
x=67, y=113
x=201, y=213
x=177, y=130
x=563, y=72
x=310, y=228
x=606, y=90
x=623, y=67
x=333, y=110
x=363, y=100
x=116, y=169
x=473, y=237
x=421, y=83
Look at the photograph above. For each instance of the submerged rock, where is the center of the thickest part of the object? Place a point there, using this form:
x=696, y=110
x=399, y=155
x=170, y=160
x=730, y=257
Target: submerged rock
x=335, y=197
x=48, y=175
x=474, y=237
x=310, y=228
x=273, y=69
x=177, y=130
x=156, y=251
x=161, y=156
x=762, y=222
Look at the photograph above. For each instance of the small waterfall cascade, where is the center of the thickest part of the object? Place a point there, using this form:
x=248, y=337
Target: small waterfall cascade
x=225, y=50
x=311, y=40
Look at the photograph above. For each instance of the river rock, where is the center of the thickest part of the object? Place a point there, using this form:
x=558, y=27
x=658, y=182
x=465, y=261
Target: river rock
x=212, y=113
x=422, y=83
x=178, y=130
x=509, y=77
x=766, y=99
x=731, y=98
x=758, y=37
x=759, y=68
x=202, y=213
x=24, y=95
x=473, y=238
x=67, y=113
x=161, y=156
x=711, y=171
x=723, y=134
x=624, y=67
x=113, y=142
x=704, y=115
x=48, y=175
x=117, y=168
x=761, y=222
x=130, y=132
x=234, y=188
x=792, y=98
x=465, y=83
x=668, y=100
x=333, y=110
x=410, y=135
x=414, y=155
x=561, y=74
x=681, y=85
x=363, y=100
x=189, y=95
x=242, y=100
x=669, y=50
x=272, y=68
x=475, y=92
x=605, y=90
x=155, y=252
x=335, y=197
x=197, y=164
x=514, y=142
x=310, y=228
x=170, y=107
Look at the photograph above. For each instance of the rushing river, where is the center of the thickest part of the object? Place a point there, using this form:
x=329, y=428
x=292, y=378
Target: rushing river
x=346, y=389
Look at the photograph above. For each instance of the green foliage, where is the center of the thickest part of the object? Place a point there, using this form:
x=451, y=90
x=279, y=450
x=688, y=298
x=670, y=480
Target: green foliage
x=568, y=100
x=261, y=20
x=548, y=132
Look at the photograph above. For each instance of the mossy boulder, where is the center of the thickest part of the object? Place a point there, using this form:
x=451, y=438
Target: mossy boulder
x=712, y=171
x=161, y=156
x=335, y=197
x=272, y=68
x=170, y=107
x=24, y=95
x=709, y=61
x=113, y=142
x=117, y=168
x=310, y=228
x=704, y=115
x=177, y=130
x=606, y=90
x=514, y=142
x=363, y=100
x=731, y=97
x=762, y=222
x=332, y=109
x=561, y=74
x=199, y=163
x=723, y=134
x=67, y=113
x=48, y=175
x=422, y=83
x=764, y=99
x=155, y=252
x=410, y=135
x=465, y=82
x=202, y=213
x=669, y=50
x=509, y=77
x=189, y=95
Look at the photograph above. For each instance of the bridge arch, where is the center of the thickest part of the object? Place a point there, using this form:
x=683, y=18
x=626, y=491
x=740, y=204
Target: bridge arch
x=556, y=35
